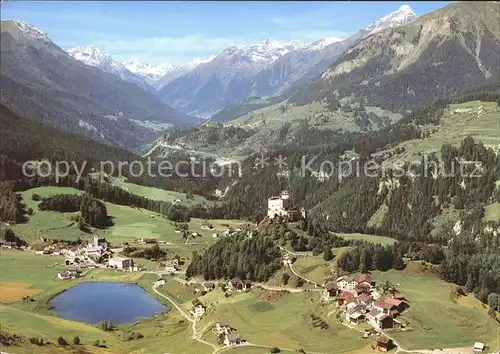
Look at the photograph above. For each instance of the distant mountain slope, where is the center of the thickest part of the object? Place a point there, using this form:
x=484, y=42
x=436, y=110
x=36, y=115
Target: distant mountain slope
x=27, y=139
x=41, y=81
x=270, y=68
x=182, y=70
x=438, y=55
x=216, y=84
x=92, y=56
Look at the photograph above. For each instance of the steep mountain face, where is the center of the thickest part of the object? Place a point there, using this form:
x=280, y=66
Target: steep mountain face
x=225, y=79
x=150, y=73
x=90, y=55
x=438, y=55
x=41, y=81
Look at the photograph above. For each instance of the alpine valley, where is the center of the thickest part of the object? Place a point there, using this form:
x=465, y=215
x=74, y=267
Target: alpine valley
x=337, y=196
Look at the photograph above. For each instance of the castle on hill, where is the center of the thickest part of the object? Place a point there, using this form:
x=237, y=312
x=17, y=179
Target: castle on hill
x=281, y=206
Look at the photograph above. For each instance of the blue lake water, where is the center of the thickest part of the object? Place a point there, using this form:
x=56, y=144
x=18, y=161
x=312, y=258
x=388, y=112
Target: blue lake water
x=92, y=302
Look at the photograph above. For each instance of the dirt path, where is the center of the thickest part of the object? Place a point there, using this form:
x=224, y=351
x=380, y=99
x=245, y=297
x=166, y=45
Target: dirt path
x=195, y=335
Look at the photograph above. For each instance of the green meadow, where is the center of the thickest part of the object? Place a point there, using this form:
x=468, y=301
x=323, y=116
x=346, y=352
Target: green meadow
x=159, y=194
x=435, y=321
x=284, y=322
x=382, y=240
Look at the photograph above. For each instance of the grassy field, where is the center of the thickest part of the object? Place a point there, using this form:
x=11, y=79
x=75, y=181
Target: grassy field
x=492, y=212
x=158, y=194
x=129, y=223
x=37, y=272
x=435, y=320
x=370, y=238
x=284, y=323
x=314, y=268
x=48, y=223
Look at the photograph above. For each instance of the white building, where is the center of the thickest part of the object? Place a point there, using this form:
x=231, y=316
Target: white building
x=199, y=311
x=121, y=263
x=278, y=205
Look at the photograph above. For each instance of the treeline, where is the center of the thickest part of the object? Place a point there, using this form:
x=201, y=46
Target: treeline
x=255, y=258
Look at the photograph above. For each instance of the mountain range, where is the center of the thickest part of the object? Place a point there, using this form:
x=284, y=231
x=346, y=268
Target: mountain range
x=41, y=81
x=269, y=68
x=204, y=86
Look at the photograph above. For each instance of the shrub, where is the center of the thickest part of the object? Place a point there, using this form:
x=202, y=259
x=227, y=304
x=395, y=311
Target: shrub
x=106, y=326
x=36, y=341
x=275, y=350
x=62, y=341
x=76, y=340
x=35, y=197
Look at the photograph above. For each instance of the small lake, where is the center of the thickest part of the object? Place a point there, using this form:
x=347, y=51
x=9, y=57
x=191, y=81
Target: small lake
x=92, y=302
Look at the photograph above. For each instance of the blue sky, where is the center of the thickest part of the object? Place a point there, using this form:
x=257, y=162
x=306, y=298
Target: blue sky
x=176, y=32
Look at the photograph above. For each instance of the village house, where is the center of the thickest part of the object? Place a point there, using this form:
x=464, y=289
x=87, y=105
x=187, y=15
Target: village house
x=365, y=299
x=384, y=344
x=239, y=285
x=354, y=317
x=198, y=309
x=379, y=319
x=478, y=347
x=206, y=226
x=331, y=290
x=387, y=308
x=232, y=339
x=343, y=297
x=222, y=328
x=67, y=274
x=209, y=286
x=121, y=263
x=172, y=266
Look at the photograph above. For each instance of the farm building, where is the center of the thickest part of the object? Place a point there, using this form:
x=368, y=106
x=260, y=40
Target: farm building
x=121, y=263
x=384, y=344
x=232, y=339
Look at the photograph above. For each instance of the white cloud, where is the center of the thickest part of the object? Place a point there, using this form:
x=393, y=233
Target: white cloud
x=163, y=49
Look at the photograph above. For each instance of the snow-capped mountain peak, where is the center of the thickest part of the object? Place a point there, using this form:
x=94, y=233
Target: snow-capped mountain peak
x=259, y=54
x=150, y=73
x=322, y=43
x=397, y=18
x=92, y=56
x=30, y=31
x=198, y=61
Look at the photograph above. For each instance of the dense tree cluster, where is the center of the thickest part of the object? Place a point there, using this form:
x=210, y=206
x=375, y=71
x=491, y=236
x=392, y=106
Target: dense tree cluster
x=255, y=258
x=11, y=206
x=63, y=203
x=93, y=211
x=367, y=256
x=152, y=253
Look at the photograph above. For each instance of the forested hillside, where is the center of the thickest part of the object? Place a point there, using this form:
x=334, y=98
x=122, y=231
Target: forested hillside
x=441, y=54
